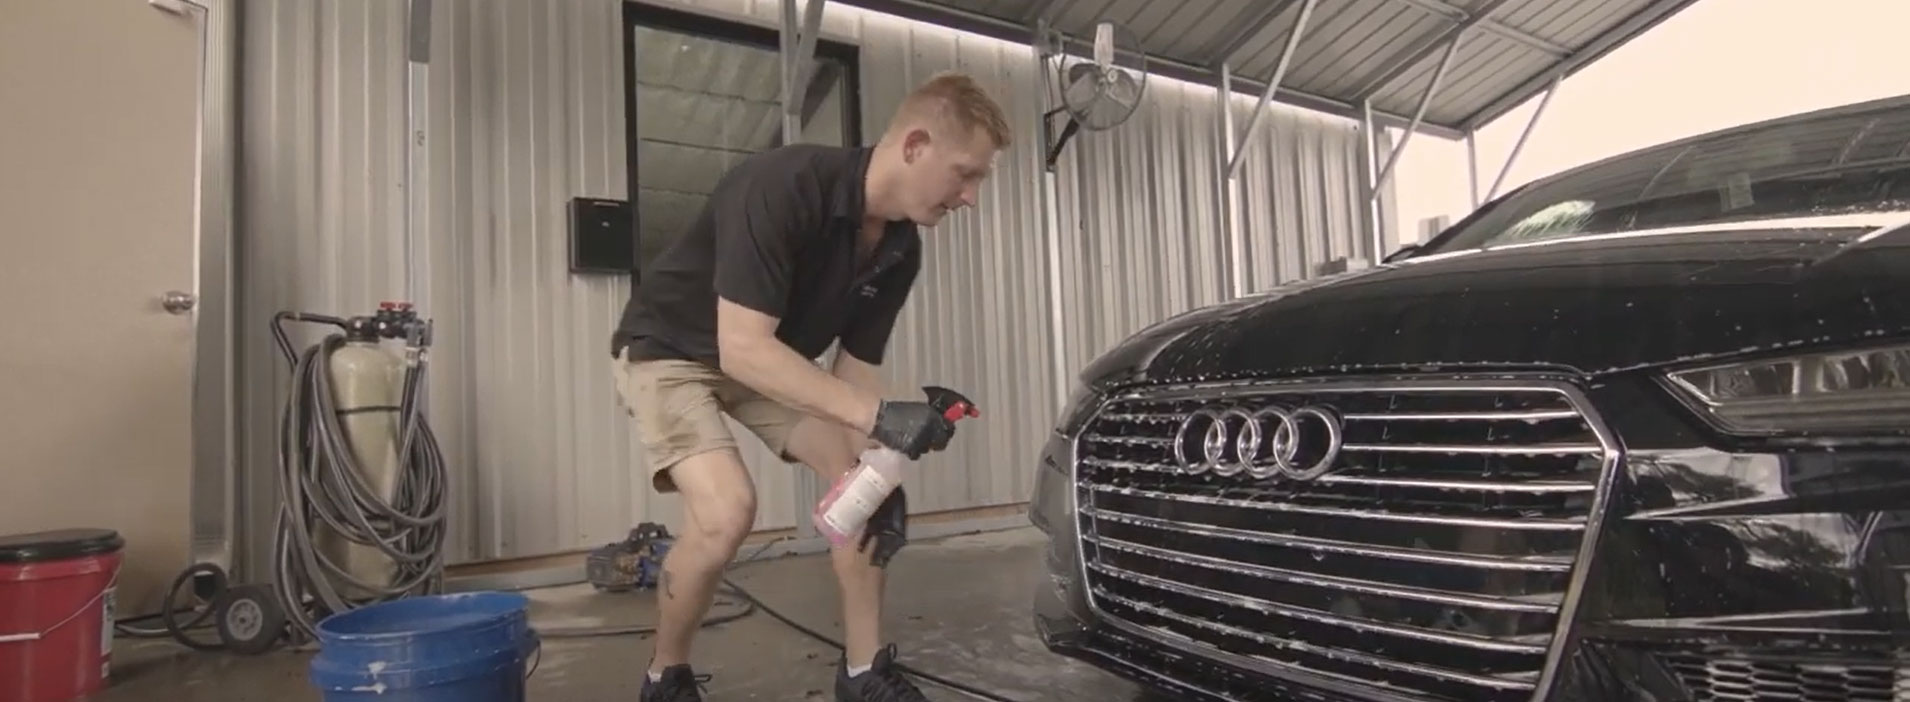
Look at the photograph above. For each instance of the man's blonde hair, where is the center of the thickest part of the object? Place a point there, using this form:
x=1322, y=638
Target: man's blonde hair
x=955, y=98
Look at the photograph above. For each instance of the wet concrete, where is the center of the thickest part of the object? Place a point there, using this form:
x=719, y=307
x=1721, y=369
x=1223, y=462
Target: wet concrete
x=958, y=608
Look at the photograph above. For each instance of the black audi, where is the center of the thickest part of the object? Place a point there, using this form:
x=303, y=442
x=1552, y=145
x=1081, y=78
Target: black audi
x=1636, y=431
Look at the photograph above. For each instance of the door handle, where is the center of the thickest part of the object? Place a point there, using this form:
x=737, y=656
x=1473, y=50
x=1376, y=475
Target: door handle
x=178, y=302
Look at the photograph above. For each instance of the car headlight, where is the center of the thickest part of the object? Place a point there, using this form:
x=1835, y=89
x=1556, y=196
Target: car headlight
x=1859, y=391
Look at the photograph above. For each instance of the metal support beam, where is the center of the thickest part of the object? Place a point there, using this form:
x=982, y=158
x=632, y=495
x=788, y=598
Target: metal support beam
x=1286, y=57
x=806, y=45
x=786, y=35
x=815, y=93
x=1472, y=168
x=1244, y=30
x=1633, y=26
x=1496, y=27
x=799, y=62
x=1520, y=144
x=1432, y=88
x=1406, y=60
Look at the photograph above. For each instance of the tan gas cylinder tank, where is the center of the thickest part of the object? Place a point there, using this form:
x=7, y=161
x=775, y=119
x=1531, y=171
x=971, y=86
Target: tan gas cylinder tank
x=367, y=387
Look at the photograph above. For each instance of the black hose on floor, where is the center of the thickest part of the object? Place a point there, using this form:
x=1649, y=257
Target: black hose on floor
x=170, y=625
x=751, y=605
x=912, y=672
x=743, y=607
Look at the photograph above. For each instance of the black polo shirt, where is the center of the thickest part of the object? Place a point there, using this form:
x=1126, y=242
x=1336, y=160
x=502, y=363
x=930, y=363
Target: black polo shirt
x=777, y=235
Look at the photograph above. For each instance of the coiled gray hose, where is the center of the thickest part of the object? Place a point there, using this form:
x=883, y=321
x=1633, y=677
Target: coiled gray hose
x=320, y=482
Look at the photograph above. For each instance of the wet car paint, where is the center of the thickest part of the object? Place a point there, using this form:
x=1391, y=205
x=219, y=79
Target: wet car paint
x=1590, y=307
x=1712, y=566
x=1712, y=545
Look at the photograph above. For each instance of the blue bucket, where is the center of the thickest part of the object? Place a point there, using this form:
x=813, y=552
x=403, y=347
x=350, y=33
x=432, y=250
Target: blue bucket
x=444, y=648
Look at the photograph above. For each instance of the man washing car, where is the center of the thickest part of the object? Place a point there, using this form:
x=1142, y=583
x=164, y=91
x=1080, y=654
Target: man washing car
x=797, y=248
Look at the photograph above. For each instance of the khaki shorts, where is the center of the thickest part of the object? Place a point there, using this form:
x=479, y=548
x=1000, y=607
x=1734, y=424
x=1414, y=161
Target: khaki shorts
x=678, y=408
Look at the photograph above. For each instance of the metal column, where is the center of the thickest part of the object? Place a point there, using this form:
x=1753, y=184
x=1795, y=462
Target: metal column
x=798, y=59
x=1472, y=166
x=1048, y=199
x=417, y=234
x=1230, y=186
x=1233, y=151
x=1369, y=183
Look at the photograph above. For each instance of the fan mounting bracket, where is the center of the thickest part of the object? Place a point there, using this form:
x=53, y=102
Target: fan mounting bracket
x=1056, y=142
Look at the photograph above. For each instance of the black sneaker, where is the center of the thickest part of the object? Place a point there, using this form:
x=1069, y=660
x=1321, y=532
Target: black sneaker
x=679, y=684
x=883, y=682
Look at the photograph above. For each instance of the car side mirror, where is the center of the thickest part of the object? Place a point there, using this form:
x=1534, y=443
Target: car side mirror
x=1403, y=252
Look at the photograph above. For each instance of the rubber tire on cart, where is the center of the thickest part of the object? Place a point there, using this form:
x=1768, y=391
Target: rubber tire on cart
x=249, y=619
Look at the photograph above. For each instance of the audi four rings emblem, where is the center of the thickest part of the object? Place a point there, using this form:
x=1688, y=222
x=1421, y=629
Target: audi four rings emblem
x=1297, y=443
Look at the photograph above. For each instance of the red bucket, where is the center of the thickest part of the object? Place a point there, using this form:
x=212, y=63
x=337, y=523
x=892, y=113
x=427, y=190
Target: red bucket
x=56, y=613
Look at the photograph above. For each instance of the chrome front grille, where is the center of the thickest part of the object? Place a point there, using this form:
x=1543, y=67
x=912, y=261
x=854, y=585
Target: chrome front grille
x=1433, y=555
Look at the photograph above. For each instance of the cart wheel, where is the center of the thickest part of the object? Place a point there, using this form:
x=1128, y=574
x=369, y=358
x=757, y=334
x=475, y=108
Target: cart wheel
x=249, y=619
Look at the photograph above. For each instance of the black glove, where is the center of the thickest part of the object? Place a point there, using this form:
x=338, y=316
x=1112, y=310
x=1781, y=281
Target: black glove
x=914, y=428
x=887, y=529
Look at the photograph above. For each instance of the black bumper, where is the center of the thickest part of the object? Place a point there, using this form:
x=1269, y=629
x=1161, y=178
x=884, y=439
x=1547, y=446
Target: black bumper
x=1720, y=576
x=1160, y=669
x=1834, y=669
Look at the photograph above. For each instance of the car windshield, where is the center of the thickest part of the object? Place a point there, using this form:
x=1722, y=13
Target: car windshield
x=1844, y=161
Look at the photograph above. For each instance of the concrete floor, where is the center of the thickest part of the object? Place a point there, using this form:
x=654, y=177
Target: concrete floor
x=959, y=608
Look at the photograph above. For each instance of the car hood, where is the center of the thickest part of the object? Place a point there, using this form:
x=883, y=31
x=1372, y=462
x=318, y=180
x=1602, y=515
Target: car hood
x=1588, y=306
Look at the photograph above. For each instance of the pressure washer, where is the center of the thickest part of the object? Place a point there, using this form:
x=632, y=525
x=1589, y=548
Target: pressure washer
x=361, y=483
x=634, y=563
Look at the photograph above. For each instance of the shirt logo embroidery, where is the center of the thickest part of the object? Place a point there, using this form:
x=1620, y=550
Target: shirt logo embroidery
x=868, y=290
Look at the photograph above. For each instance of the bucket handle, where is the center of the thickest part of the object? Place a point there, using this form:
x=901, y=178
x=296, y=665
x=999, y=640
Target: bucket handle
x=36, y=636
x=537, y=651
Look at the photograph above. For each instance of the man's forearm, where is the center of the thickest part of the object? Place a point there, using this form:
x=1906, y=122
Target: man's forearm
x=775, y=370
x=861, y=375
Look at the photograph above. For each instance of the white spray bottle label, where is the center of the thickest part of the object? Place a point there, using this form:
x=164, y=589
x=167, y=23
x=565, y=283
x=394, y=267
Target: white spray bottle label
x=861, y=493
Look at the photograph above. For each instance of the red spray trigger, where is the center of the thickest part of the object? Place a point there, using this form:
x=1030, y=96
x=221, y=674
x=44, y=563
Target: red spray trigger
x=954, y=405
x=960, y=410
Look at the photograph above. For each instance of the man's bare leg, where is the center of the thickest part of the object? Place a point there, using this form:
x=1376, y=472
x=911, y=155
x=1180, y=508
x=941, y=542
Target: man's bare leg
x=825, y=448
x=719, y=510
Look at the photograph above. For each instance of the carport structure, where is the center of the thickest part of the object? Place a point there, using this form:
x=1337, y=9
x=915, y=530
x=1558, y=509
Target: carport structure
x=1443, y=67
x=1188, y=205
x=508, y=105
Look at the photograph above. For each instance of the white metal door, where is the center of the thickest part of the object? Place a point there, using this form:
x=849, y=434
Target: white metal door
x=99, y=129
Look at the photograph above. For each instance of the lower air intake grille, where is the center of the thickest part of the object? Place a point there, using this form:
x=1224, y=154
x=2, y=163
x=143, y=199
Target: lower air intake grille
x=1416, y=536
x=1727, y=680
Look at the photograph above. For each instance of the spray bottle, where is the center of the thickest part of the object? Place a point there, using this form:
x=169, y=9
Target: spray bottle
x=846, y=509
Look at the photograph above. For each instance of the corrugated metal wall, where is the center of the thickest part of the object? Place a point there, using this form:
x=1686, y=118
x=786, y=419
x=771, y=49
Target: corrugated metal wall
x=526, y=111
x=1141, y=237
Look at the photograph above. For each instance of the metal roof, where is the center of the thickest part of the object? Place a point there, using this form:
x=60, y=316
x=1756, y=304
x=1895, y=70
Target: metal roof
x=1350, y=51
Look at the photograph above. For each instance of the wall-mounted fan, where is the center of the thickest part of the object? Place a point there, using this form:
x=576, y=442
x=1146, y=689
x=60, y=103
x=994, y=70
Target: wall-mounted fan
x=1096, y=93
